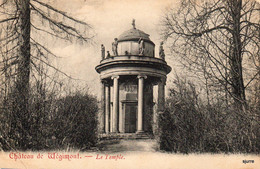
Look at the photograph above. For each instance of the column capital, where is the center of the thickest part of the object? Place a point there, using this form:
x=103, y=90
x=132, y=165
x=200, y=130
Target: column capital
x=115, y=76
x=104, y=81
x=141, y=76
x=163, y=80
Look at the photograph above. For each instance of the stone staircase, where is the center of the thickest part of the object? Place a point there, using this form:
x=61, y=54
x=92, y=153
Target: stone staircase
x=126, y=136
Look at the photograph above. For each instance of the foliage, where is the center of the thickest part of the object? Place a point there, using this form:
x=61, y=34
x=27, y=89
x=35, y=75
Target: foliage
x=76, y=122
x=189, y=125
x=65, y=123
x=28, y=76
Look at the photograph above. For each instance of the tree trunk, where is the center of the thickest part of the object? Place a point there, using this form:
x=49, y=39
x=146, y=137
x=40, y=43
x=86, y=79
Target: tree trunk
x=236, y=56
x=23, y=74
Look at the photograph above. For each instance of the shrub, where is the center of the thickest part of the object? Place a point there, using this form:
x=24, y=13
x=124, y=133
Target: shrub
x=64, y=123
x=189, y=125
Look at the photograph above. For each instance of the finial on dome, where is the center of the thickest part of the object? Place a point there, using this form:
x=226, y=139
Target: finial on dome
x=133, y=23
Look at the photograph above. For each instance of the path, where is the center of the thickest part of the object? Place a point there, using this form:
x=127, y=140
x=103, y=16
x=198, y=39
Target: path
x=114, y=146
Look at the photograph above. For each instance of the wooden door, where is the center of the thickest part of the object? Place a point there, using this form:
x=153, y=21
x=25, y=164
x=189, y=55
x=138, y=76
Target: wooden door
x=130, y=117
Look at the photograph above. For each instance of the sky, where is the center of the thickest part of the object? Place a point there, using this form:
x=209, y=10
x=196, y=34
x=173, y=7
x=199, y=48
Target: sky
x=109, y=18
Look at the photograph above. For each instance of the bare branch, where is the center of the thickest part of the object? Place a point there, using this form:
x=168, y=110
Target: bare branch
x=8, y=19
x=41, y=72
x=52, y=34
x=65, y=28
x=4, y=2
x=62, y=13
x=53, y=67
x=35, y=43
x=252, y=79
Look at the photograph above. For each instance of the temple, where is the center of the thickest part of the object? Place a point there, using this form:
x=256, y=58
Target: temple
x=128, y=77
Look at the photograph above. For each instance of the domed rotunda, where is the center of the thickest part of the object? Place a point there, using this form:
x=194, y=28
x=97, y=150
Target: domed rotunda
x=128, y=77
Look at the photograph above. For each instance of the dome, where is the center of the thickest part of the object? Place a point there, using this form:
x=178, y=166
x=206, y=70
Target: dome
x=133, y=34
x=129, y=43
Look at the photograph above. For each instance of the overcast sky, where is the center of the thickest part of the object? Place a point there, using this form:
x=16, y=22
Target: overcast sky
x=109, y=18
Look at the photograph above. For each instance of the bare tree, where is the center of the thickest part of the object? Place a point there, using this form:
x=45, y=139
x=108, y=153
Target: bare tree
x=21, y=22
x=219, y=39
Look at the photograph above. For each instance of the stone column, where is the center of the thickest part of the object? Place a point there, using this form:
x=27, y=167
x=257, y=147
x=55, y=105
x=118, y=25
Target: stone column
x=102, y=109
x=140, y=103
x=115, y=104
x=161, y=95
x=107, y=114
x=111, y=110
